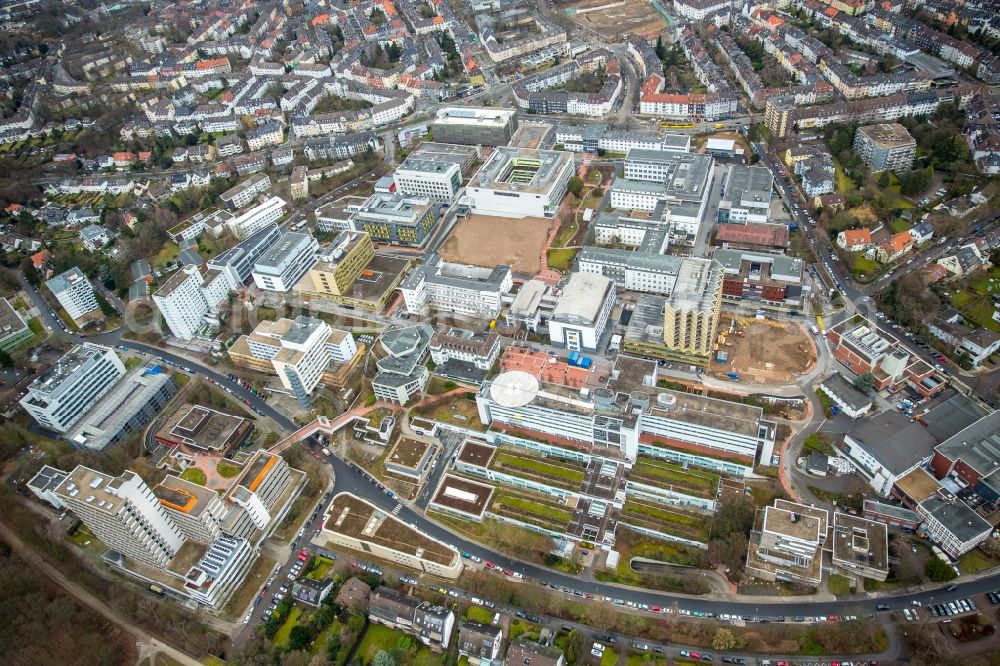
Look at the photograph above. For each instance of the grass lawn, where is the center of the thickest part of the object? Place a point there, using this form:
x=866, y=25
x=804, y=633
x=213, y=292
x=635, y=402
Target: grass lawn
x=320, y=644
x=565, y=235
x=522, y=628
x=816, y=444
x=281, y=636
x=609, y=658
x=166, y=254
x=180, y=379
x=960, y=299
x=843, y=182
x=975, y=561
x=479, y=614
x=320, y=568
x=194, y=475
x=864, y=267
x=378, y=637
x=839, y=584
x=561, y=260
x=226, y=470
x=666, y=520
x=899, y=224
x=132, y=362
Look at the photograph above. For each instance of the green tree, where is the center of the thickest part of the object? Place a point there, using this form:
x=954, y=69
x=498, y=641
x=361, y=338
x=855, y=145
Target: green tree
x=938, y=571
x=299, y=637
x=5, y=360
x=883, y=179
x=575, y=185
x=383, y=658
x=865, y=383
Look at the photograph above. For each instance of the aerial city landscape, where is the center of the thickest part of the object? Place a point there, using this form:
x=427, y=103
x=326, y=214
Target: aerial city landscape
x=500, y=332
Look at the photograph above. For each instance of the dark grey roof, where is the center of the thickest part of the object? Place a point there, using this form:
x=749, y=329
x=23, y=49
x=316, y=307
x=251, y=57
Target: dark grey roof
x=895, y=441
x=978, y=445
x=951, y=416
x=843, y=389
x=960, y=520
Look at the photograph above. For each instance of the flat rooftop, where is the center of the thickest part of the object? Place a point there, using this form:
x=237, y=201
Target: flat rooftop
x=203, y=427
x=473, y=115
x=888, y=135
x=476, y=453
x=698, y=286
x=860, y=541
x=356, y=518
x=977, y=445
x=521, y=170
x=184, y=496
x=408, y=452
x=583, y=298
x=793, y=521
x=894, y=440
x=464, y=495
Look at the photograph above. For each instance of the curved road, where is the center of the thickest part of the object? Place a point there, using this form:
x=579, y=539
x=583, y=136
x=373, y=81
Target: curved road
x=350, y=480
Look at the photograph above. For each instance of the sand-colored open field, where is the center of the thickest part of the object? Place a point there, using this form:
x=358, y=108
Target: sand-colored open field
x=764, y=351
x=485, y=240
x=610, y=18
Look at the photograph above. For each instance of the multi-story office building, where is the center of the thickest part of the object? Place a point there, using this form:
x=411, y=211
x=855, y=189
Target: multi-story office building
x=397, y=219
x=520, y=182
x=402, y=370
x=237, y=262
x=243, y=193
x=74, y=292
x=43, y=484
x=257, y=218
x=123, y=513
x=130, y=404
x=438, y=285
x=953, y=524
x=14, y=330
x=213, y=220
x=478, y=350
x=746, y=195
x=299, y=352
x=860, y=546
x=281, y=267
x=198, y=512
x=267, y=342
x=474, y=126
x=428, y=178
x=202, y=429
x=220, y=571
x=582, y=312
x=187, y=296
x=353, y=523
x=762, y=277
x=340, y=262
x=691, y=312
x=258, y=489
x=674, y=187
x=788, y=546
x=59, y=397
x=885, y=147
x=624, y=419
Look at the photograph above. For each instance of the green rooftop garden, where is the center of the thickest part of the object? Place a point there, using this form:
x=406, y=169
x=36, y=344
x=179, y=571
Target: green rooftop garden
x=666, y=519
x=558, y=472
x=701, y=483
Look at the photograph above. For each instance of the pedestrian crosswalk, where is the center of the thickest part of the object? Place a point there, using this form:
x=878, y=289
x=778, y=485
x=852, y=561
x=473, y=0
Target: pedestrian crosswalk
x=399, y=507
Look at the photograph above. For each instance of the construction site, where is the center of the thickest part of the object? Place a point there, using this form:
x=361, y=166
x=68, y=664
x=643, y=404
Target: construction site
x=758, y=350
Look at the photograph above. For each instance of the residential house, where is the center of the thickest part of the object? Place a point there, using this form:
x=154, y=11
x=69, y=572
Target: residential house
x=894, y=247
x=854, y=240
x=480, y=643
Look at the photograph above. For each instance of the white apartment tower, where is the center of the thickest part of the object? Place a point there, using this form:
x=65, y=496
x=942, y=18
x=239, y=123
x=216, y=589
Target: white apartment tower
x=188, y=296
x=59, y=397
x=123, y=513
x=74, y=292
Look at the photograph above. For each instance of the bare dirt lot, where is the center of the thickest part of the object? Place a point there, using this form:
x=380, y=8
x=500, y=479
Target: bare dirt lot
x=485, y=240
x=767, y=352
x=617, y=18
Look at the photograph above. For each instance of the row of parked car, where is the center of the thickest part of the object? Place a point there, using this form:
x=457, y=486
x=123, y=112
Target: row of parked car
x=950, y=608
